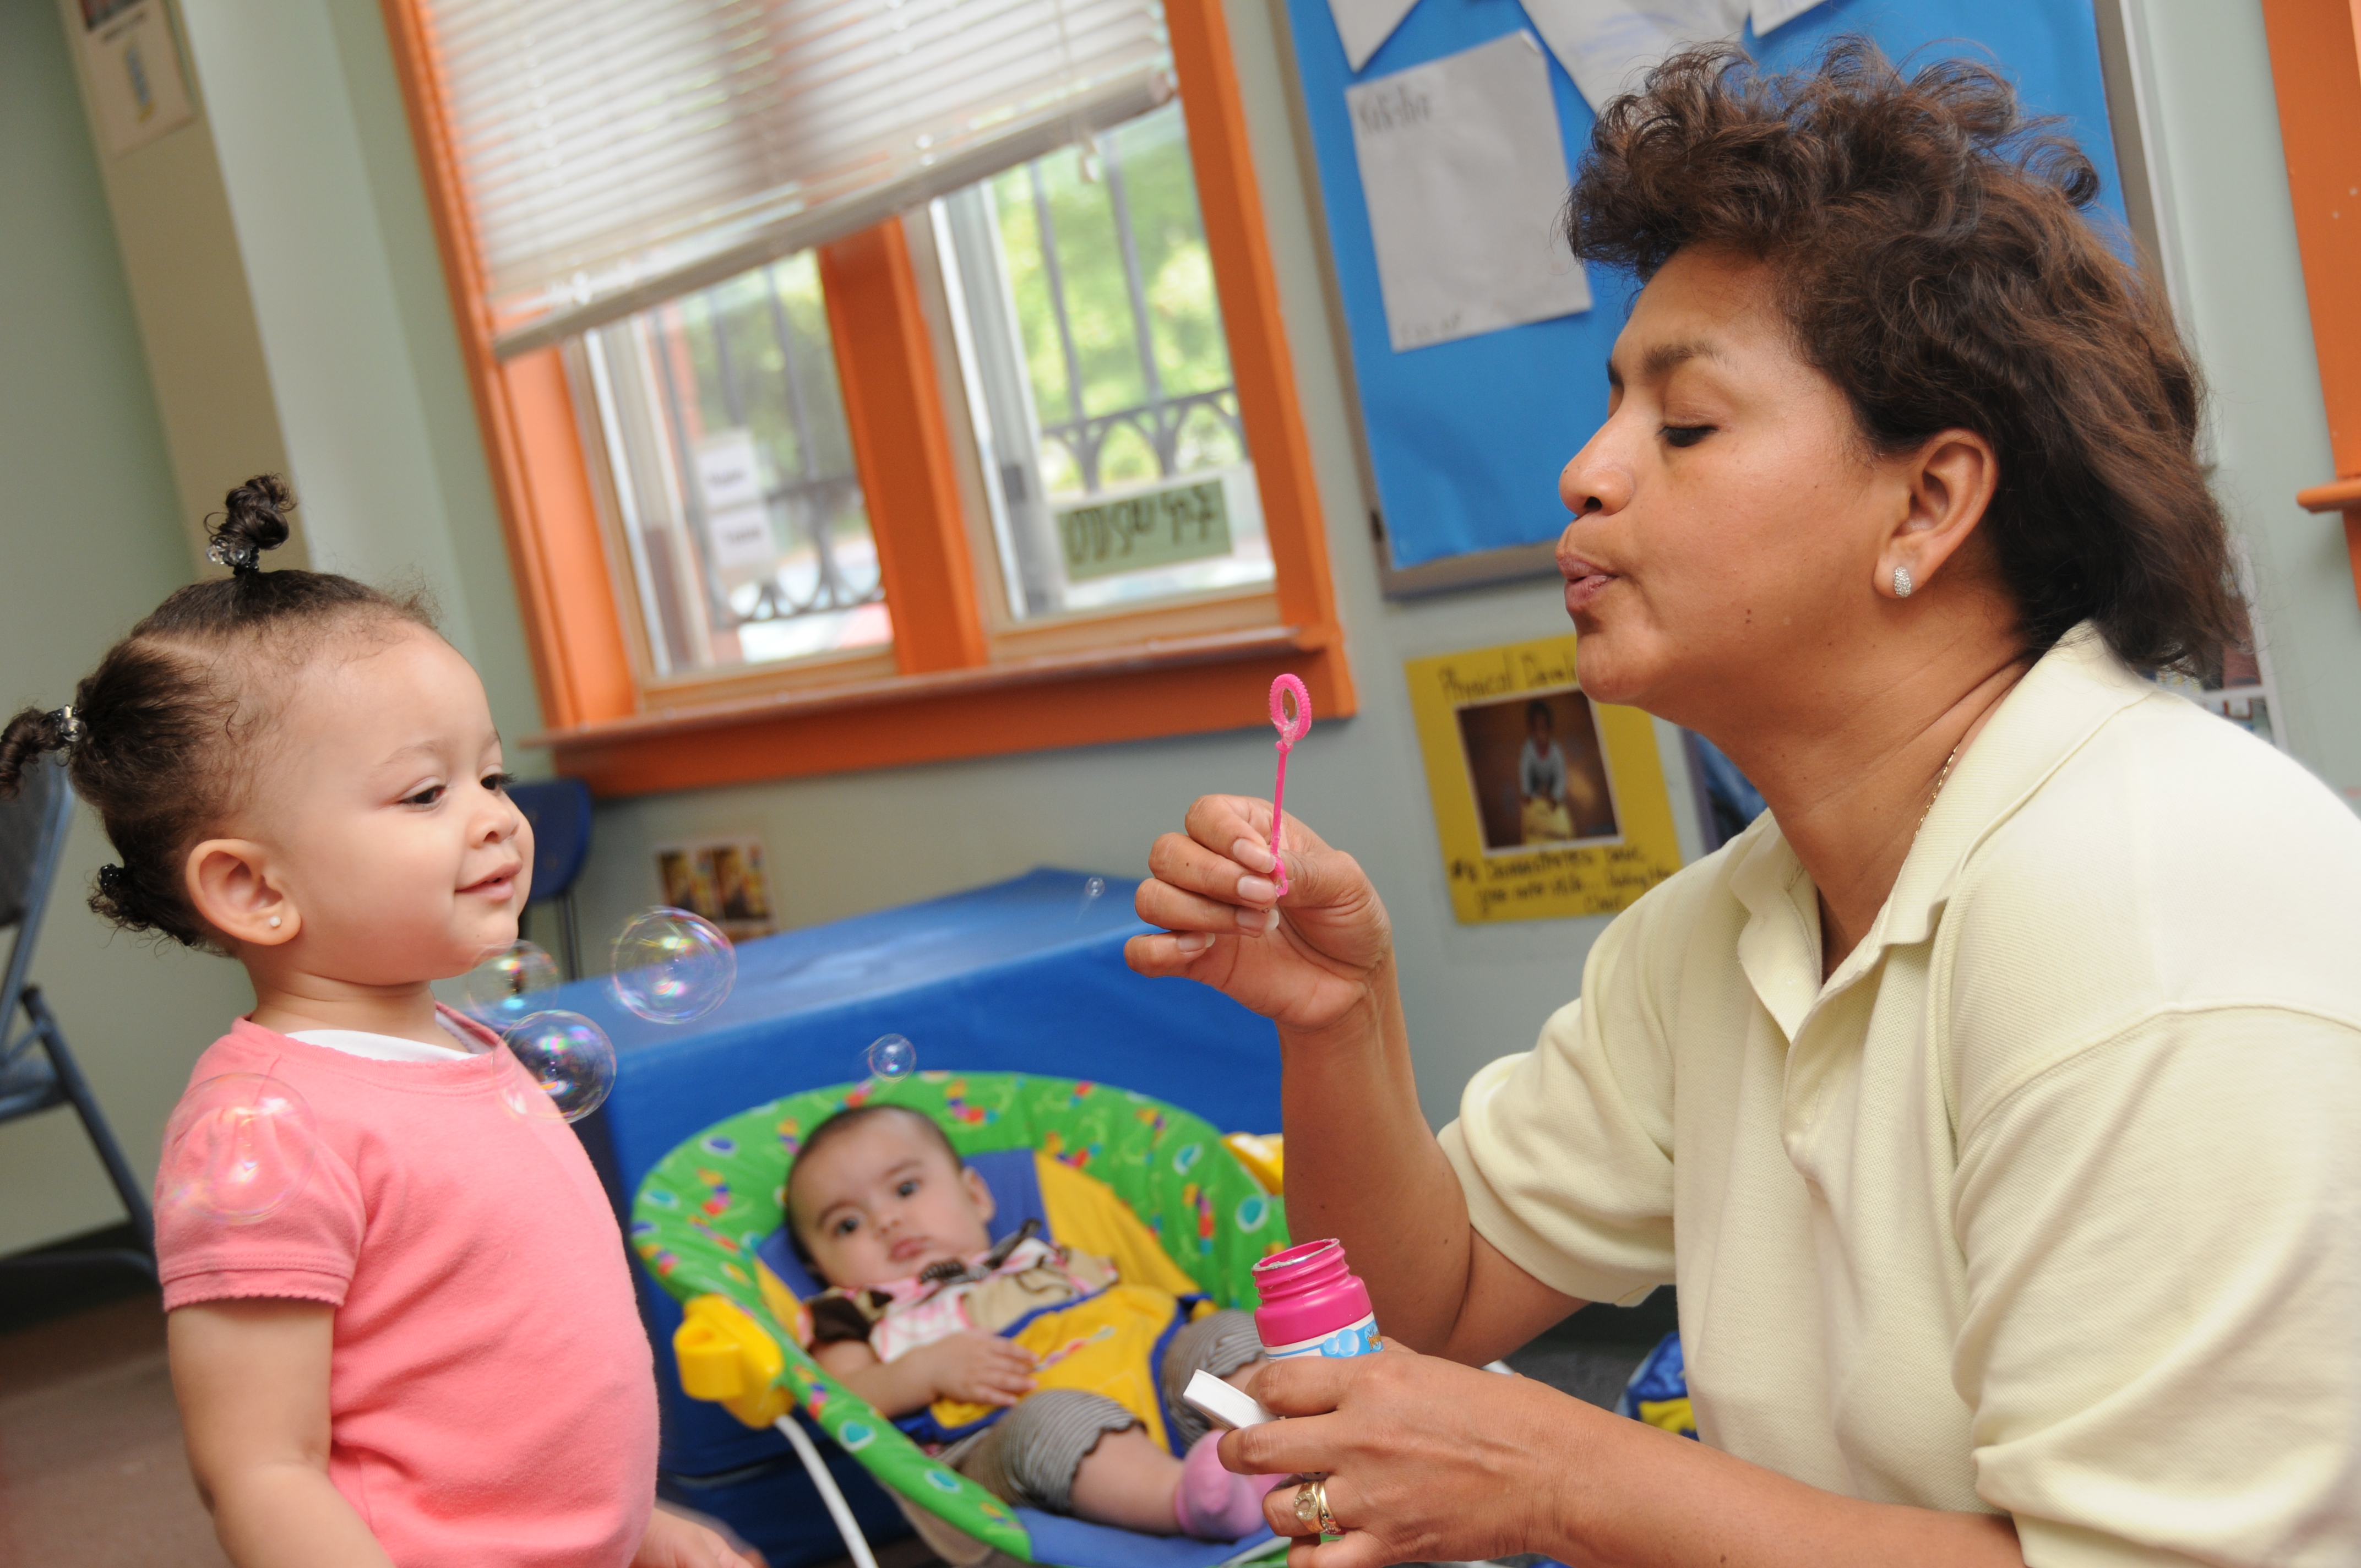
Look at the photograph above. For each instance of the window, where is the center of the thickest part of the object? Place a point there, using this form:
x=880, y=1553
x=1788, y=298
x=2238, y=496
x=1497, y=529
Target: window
x=740, y=513
x=1098, y=379
x=871, y=380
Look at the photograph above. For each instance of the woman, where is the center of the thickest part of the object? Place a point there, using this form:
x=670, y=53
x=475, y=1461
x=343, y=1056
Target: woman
x=1992, y=1106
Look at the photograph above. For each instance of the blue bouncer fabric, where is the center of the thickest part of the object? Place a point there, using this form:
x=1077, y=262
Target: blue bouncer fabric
x=1023, y=976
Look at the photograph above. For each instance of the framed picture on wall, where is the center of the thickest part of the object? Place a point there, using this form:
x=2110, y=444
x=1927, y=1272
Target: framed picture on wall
x=721, y=879
x=1546, y=804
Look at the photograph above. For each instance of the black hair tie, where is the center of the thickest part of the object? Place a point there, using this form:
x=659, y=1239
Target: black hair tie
x=112, y=880
x=70, y=725
x=240, y=555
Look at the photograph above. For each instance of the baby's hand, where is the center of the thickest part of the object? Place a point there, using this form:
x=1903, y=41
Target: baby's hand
x=982, y=1368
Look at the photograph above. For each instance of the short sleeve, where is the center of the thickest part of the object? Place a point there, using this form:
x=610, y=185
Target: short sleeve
x=2162, y=1345
x=1565, y=1152
x=303, y=1247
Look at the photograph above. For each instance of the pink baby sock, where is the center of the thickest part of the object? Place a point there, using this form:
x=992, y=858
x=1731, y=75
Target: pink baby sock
x=1210, y=1504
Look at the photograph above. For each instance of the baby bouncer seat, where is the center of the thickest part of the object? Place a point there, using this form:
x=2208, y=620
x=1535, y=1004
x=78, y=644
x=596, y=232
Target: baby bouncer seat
x=707, y=1224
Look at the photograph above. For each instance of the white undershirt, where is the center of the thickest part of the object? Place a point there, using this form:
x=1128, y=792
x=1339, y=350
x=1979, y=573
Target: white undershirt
x=389, y=1048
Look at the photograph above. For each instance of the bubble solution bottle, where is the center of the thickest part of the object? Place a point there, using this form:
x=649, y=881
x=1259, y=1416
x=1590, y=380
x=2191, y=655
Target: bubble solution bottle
x=1312, y=1305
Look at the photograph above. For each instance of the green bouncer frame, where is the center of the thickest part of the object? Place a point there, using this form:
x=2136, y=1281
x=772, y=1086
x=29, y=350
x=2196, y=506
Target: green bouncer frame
x=702, y=1210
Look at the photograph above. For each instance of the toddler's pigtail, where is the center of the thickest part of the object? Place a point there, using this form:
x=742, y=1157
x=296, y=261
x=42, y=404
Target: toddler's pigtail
x=255, y=521
x=30, y=735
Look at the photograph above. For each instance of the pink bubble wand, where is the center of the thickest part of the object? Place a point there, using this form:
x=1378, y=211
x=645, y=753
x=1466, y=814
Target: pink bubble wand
x=1285, y=689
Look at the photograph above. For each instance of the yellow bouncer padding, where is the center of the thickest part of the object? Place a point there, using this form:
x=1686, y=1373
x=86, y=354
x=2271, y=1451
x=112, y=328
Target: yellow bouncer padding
x=1085, y=1215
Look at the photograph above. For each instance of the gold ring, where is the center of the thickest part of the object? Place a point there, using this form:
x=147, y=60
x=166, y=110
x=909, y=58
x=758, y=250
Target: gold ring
x=1328, y=1525
x=1309, y=1503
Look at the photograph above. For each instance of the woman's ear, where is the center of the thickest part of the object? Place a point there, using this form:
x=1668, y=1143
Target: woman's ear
x=1951, y=480
x=230, y=884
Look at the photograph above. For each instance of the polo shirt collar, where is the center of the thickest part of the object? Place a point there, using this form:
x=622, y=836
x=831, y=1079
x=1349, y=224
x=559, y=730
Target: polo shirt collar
x=2070, y=692
x=2062, y=701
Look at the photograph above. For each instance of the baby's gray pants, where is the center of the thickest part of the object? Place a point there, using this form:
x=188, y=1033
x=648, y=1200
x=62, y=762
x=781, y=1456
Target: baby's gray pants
x=1029, y=1456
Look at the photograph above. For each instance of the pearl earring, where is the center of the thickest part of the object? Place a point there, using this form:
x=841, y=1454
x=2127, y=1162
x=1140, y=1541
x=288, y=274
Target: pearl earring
x=274, y=922
x=1901, y=584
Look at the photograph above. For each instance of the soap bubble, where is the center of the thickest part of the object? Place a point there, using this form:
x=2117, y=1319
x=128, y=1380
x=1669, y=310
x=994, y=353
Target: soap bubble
x=1090, y=892
x=569, y=1057
x=671, y=966
x=501, y=991
x=237, y=1146
x=892, y=1056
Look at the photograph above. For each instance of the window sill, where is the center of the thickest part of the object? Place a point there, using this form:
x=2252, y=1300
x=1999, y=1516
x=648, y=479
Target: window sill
x=1170, y=686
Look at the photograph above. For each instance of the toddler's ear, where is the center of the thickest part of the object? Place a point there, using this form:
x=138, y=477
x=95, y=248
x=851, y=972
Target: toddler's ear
x=979, y=1193
x=230, y=883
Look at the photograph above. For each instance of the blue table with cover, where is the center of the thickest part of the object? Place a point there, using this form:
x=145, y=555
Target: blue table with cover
x=1023, y=976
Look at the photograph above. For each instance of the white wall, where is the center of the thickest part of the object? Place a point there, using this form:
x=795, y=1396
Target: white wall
x=315, y=162
x=2242, y=285
x=89, y=540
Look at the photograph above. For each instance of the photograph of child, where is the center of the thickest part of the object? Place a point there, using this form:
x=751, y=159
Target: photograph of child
x=688, y=878
x=1538, y=770
x=738, y=880
x=723, y=881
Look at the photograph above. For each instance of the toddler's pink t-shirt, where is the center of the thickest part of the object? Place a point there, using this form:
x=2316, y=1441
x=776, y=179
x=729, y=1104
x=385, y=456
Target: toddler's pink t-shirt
x=491, y=1396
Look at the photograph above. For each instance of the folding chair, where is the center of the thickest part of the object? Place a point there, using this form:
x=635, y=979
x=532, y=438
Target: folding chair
x=37, y=1072
x=559, y=810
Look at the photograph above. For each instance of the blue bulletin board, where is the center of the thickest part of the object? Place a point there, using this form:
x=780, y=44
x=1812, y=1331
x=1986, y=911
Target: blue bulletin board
x=1465, y=439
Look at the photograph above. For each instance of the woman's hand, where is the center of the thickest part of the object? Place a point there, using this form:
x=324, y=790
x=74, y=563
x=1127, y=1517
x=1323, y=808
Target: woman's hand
x=1303, y=960
x=1426, y=1460
x=1429, y=1460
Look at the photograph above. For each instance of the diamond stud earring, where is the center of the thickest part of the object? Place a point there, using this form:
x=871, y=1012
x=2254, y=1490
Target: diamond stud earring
x=1901, y=584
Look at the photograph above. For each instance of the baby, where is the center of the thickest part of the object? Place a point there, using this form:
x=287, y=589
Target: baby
x=922, y=1319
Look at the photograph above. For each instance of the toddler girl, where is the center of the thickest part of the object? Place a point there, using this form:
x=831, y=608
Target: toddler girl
x=885, y=1211
x=428, y=1352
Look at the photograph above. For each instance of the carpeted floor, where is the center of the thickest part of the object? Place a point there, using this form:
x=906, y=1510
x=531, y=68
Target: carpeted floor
x=91, y=1472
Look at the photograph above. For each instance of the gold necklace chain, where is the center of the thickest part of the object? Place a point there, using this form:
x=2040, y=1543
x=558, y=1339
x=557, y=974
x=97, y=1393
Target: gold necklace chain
x=1939, y=779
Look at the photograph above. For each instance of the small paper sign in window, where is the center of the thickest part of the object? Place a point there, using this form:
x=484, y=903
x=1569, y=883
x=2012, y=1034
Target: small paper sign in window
x=1137, y=533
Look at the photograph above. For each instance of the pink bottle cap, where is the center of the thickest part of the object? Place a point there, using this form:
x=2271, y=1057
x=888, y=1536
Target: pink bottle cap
x=1308, y=1294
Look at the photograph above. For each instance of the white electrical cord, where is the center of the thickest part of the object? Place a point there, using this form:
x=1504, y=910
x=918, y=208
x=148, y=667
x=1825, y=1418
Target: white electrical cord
x=837, y=1508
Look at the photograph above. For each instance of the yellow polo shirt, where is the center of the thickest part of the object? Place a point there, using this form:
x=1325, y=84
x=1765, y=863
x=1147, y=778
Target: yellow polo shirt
x=2048, y=1201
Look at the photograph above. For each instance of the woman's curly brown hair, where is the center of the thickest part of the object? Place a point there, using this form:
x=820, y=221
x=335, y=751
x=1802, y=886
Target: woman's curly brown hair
x=1932, y=258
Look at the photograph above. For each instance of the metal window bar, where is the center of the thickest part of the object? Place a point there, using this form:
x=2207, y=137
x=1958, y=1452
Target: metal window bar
x=808, y=503
x=1160, y=419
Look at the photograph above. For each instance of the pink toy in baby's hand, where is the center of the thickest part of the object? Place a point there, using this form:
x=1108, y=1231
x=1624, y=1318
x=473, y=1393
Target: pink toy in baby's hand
x=1284, y=691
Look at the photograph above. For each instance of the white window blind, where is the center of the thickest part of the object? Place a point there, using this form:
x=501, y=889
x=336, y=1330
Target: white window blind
x=616, y=153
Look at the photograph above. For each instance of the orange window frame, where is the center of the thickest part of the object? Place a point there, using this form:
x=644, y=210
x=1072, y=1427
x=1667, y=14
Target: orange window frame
x=948, y=696
x=2316, y=73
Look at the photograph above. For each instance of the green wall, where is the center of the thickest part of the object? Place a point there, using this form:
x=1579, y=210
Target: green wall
x=89, y=540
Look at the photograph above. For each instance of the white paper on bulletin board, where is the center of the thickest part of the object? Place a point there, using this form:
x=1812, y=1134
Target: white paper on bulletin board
x=1770, y=14
x=1463, y=167
x=1363, y=25
x=134, y=71
x=1607, y=46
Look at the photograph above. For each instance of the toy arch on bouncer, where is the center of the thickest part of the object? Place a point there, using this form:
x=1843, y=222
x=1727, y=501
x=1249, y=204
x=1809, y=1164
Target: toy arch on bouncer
x=704, y=1210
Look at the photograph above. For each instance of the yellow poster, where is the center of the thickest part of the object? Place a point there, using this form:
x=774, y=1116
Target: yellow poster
x=1548, y=804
